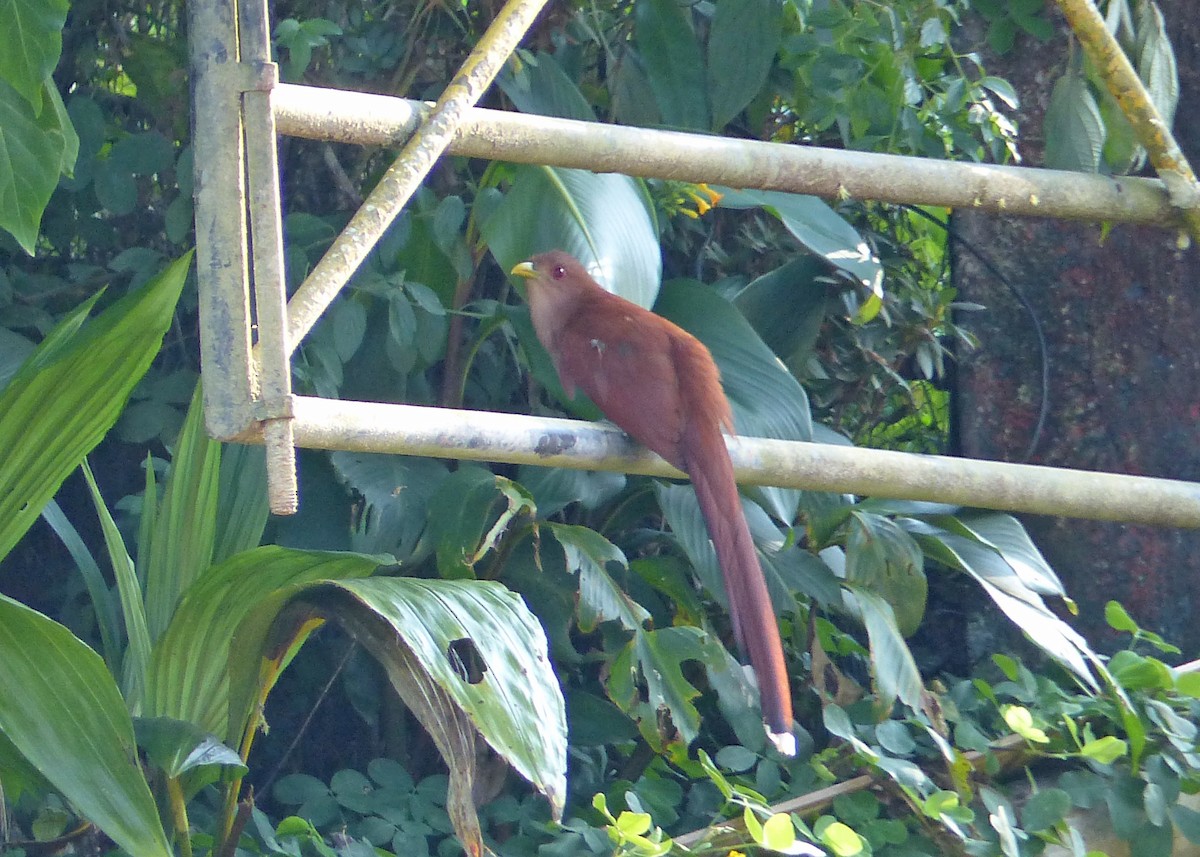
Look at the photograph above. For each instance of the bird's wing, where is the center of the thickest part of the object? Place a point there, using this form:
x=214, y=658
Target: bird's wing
x=622, y=356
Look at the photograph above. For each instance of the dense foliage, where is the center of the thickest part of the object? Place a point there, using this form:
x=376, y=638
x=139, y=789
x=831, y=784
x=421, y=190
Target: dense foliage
x=832, y=320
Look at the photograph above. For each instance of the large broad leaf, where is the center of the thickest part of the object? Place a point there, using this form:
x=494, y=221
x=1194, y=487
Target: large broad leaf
x=14, y=349
x=1005, y=534
x=471, y=662
x=787, y=569
x=1156, y=62
x=767, y=400
x=554, y=488
x=602, y=220
x=895, y=671
x=241, y=500
x=539, y=85
x=673, y=63
x=189, y=677
x=633, y=102
x=882, y=558
x=396, y=491
x=819, y=228
x=786, y=306
x=184, y=532
x=70, y=393
x=1003, y=567
x=177, y=748
x=63, y=712
x=741, y=47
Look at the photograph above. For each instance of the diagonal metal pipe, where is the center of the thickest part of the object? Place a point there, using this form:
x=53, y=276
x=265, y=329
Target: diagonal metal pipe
x=404, y=176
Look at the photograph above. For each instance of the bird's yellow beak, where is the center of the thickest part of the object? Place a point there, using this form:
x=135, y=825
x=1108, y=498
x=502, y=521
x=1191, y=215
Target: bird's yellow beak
x=524, y=270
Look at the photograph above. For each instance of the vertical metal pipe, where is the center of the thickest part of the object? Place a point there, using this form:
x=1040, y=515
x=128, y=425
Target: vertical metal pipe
x=220, y=217
x=266, y=229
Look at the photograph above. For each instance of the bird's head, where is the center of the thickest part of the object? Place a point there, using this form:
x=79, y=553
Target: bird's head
x=556, y=282
x=557, y=269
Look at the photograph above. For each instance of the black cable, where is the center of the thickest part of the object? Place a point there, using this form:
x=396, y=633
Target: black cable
x=1043, y=349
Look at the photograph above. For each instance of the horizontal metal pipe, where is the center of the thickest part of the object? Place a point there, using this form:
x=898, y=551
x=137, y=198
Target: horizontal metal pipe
x=357, y=117
x=517, y=439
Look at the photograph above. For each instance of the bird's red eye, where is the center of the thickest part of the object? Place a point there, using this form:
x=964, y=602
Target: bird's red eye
x=558, y=272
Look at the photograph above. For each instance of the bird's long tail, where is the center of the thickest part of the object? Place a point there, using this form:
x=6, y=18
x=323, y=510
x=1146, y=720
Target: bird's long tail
x=754, y=624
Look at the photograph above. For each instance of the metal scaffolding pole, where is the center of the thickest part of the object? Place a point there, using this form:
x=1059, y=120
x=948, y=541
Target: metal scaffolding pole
x=518, y=439
x=356, y=117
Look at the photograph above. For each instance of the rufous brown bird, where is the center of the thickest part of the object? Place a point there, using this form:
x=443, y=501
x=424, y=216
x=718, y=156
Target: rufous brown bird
x=659, y=384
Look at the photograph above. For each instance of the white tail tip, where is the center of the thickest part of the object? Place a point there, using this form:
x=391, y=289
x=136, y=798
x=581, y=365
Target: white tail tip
x=784, y=742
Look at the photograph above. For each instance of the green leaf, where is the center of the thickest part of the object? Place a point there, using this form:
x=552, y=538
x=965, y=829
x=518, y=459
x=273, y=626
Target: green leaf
x=70, y=722
x=459, y=510
x=176, y=747
x=960, y=546
x=555, y=488
x=396, y=491
x=633, y=101
x=741, y=48
x=892, y=665
x=348, y=320
x=601, y=220
x=241, y=500
x=884, y=559
x=1105, y=750
x=33, y=42
x=841, y=839
x=601, y=598
x=779, y=834
x=14, y=349
x=818, y=227
x=539, y=85
x=786, y=307
x=1044, y=809
x=70, y=393
x=184, y=533
x=1188, y=684
x=1187, y=821
x=462, y=520
x=1156, y=63
x=633, y=823
x=205, y=668
x=129, y=591
x=1019, y=720
x=787, y=568
x=660, y=656
x=1073, y=126
x=1136, y=672
x=97, y=587
x=516, y=704
x=1118, y=618
x=1011, y=540
x=115, y=187
x=34, y=150
x=672, y=61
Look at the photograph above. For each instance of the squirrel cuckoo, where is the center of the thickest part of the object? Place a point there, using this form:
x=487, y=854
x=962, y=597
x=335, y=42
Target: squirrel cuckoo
x=659, y=384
